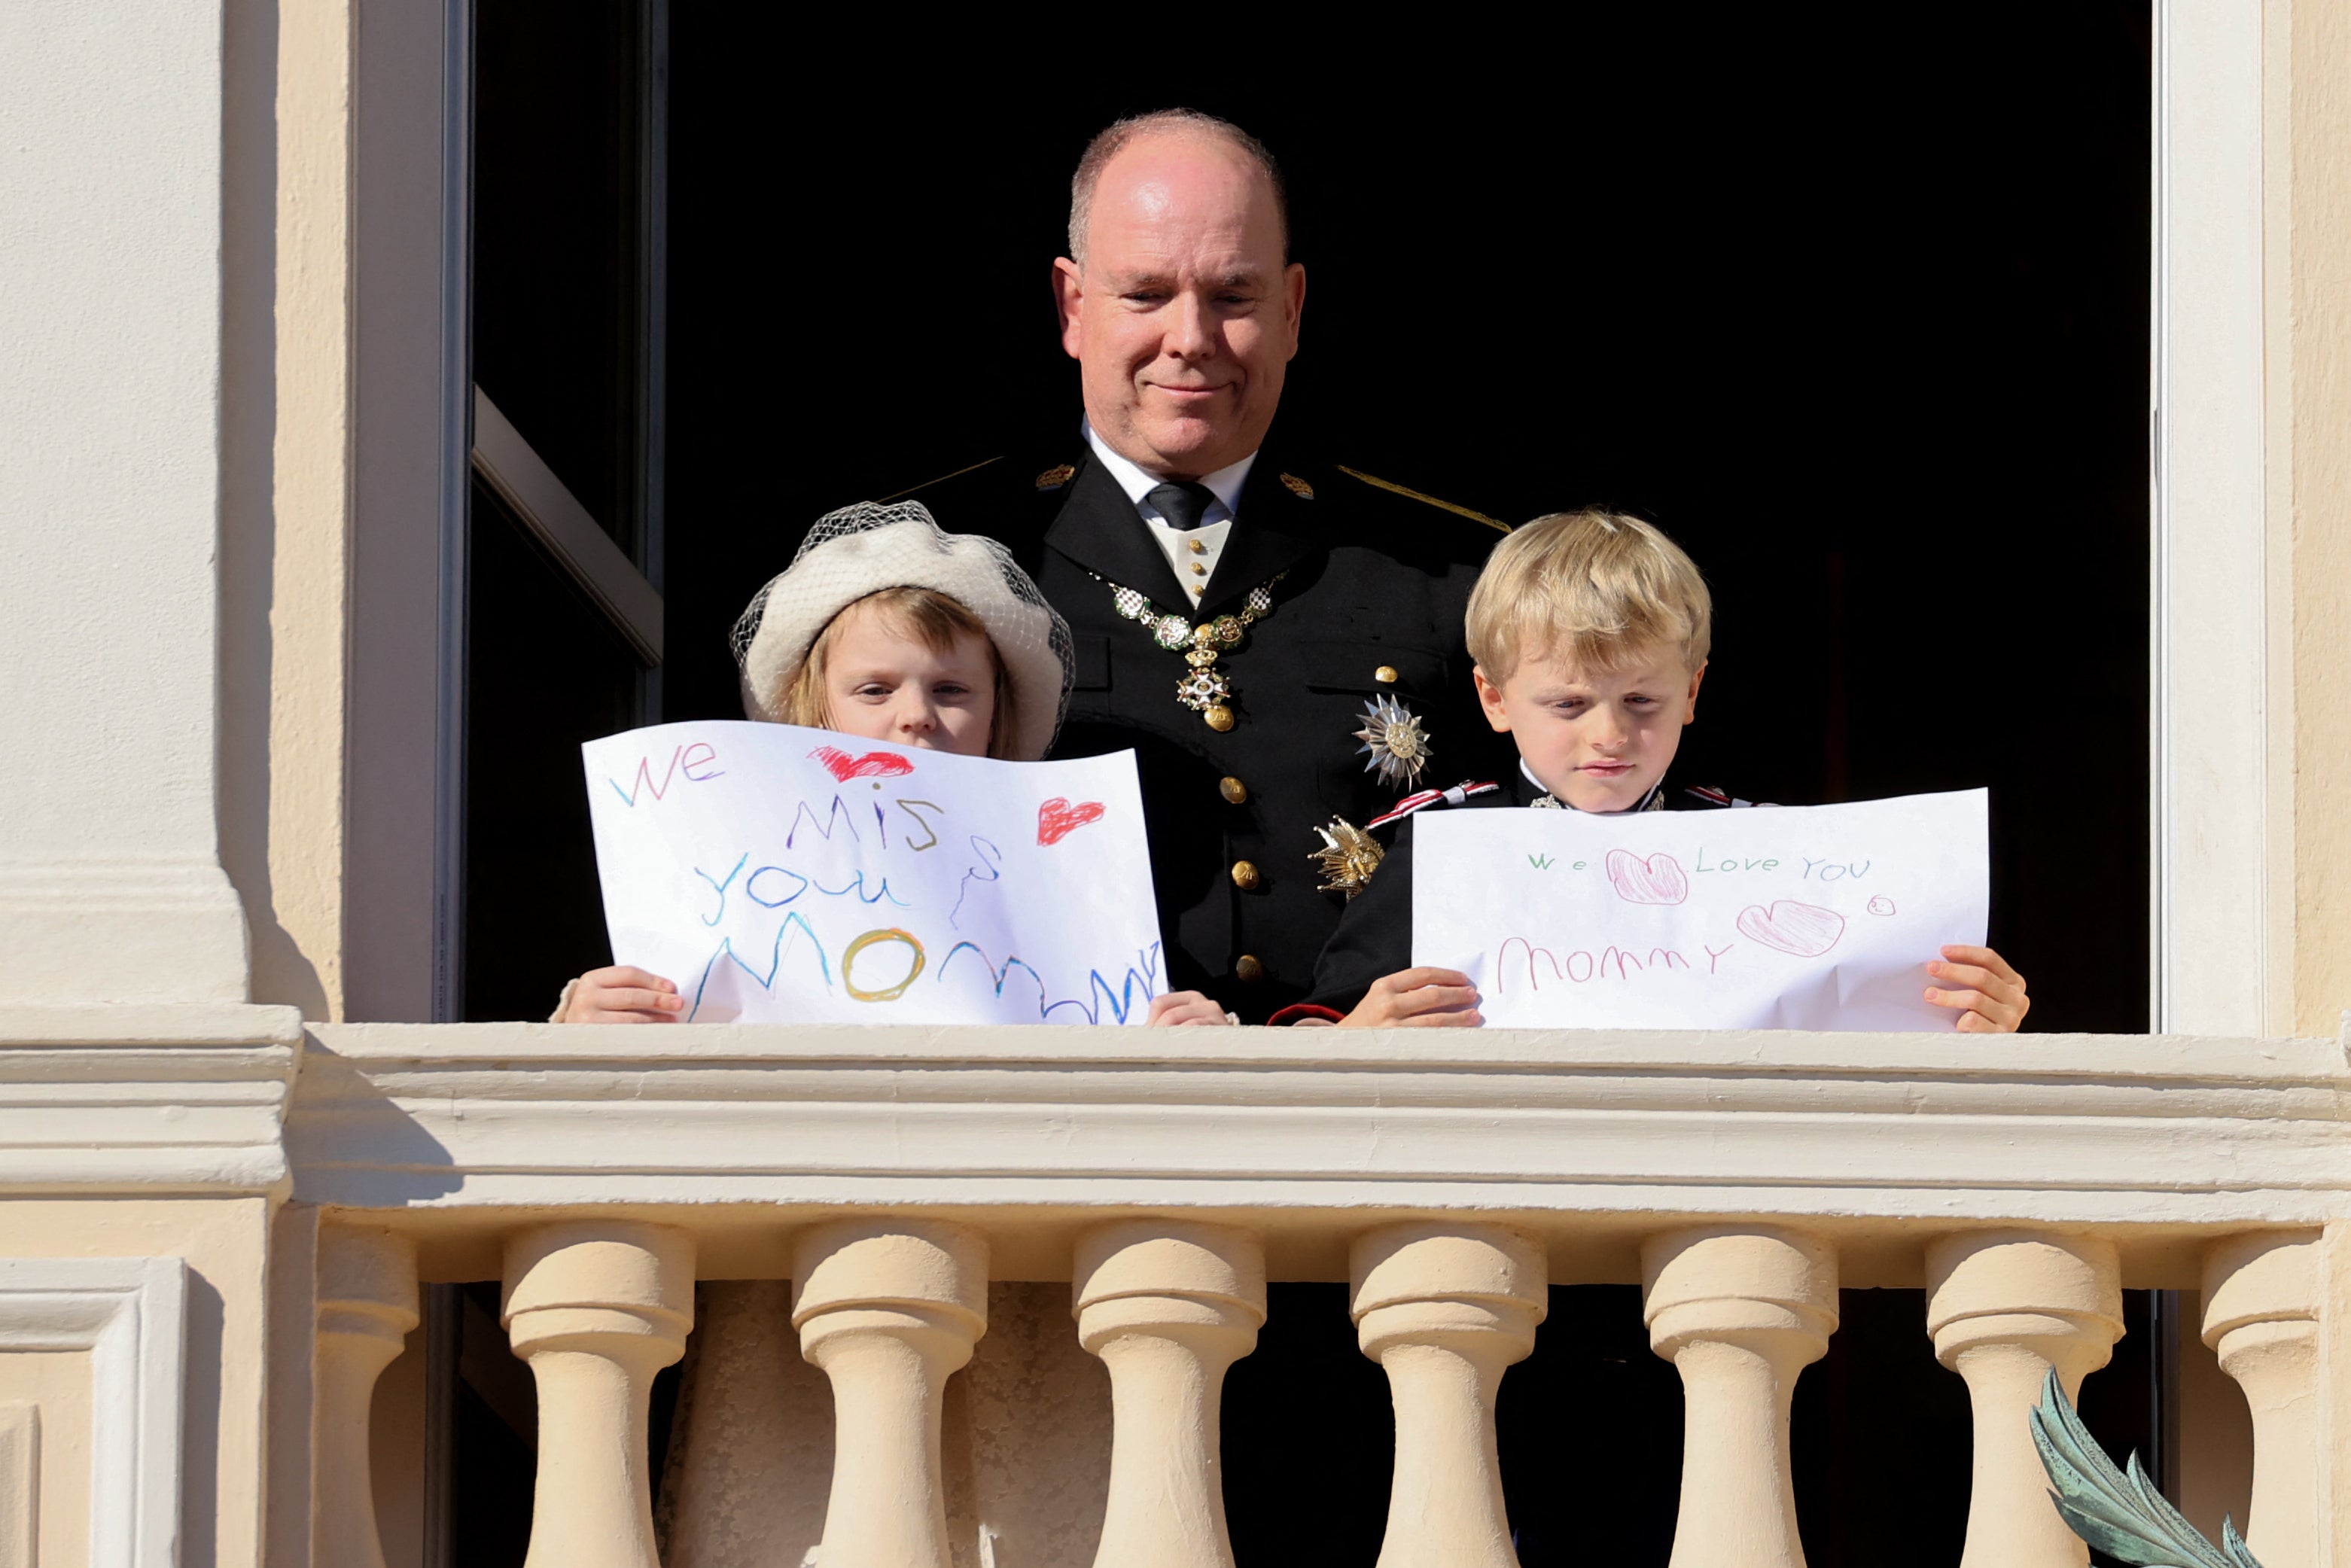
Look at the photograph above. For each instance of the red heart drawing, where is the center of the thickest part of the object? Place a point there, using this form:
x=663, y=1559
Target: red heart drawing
x=872, y=765
x=1657, y=880
x=1057, y=819
x=1798, y=928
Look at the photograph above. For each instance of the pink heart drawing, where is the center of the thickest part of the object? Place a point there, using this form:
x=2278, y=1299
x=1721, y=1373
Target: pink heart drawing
x=1057, y=819
x=1802, y=929
x=1657, y=880
x=872, y=765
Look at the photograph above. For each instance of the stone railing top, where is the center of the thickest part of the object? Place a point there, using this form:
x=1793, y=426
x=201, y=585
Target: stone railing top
x=2146, y=1058
x=1589, y=1140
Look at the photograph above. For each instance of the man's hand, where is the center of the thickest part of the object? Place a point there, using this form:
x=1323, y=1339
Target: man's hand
x=1988, y=994
x=622, y=994
x=1183, y=1009
x=1417, y=998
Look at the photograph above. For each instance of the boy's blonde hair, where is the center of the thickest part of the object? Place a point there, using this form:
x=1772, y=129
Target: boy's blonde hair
x=938, y=622
x=1594, y=587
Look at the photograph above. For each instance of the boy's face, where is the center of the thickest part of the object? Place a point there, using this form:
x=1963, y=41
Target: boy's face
x=881, y=682
x=1597, y=741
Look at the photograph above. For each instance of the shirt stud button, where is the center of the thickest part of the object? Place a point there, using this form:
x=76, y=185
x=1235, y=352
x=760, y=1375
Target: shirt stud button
x=1234, y=791
x=1385, y=674
x=1199, y=570
x=1245, y=876
x=1197, y=547
x=1248, y=970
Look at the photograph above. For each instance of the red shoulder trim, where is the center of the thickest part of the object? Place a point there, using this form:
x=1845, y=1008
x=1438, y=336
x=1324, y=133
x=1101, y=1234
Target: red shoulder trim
x=1720, y=797
x=1297, y=1010
x=1426, y=798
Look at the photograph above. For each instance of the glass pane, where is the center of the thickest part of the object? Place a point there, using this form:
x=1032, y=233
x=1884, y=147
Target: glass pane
x=544, y=674
x=557, y=224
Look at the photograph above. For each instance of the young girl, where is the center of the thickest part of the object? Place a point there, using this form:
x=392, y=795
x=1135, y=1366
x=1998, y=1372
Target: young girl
x=884, y=628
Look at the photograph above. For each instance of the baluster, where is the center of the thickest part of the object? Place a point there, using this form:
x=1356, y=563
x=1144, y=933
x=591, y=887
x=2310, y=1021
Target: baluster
x=2260, y=1313
x=889, y=1308
x=366, y=1304
x=1169, y=1308
x=596, y=1307
x=1445, y=1309
x=2004, y=1308
x=1740, y=1311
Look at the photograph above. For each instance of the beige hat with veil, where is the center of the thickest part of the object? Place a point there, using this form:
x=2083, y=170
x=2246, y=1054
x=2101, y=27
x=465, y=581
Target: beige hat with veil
x=867, y=548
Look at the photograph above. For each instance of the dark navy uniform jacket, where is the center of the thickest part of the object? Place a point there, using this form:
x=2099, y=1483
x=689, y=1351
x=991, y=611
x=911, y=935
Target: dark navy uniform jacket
x=1375, y=934
x=1375, y=586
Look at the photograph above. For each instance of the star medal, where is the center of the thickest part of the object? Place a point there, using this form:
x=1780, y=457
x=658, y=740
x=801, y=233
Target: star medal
x=1347, y=859
x=1397, y=744
x=1205, y=690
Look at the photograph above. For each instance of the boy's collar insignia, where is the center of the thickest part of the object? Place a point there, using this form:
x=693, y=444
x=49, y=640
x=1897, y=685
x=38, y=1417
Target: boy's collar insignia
x=1654, y=800
x=1396, y=740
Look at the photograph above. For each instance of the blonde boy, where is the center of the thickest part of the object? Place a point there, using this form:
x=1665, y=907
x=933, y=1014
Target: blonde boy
x=1591, y=632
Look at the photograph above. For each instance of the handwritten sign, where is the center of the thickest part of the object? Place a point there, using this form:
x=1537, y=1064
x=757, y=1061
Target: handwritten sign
x=785, y=875
x=1778, y=918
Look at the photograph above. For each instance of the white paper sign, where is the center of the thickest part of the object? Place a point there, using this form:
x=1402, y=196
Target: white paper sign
x=1778, y=918
x=777, y=873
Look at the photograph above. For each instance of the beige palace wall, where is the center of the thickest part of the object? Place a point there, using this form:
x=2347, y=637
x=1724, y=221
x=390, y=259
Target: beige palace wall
x=2309, y=425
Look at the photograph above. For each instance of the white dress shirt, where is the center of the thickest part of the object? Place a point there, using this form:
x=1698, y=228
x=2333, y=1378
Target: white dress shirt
x=1191, y=552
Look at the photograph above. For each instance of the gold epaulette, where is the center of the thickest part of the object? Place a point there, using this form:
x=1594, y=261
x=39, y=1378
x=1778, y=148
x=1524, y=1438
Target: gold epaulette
x=1394, y=488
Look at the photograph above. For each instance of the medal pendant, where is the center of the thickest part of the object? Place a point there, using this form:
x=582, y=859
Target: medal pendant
x=1205, y=691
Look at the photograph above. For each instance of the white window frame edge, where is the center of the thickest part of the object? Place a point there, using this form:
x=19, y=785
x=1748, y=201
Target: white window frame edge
x=2212, y=934
x=131, y=1315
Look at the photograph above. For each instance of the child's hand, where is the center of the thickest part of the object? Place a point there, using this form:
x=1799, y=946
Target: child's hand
x=622, y=994
x=1417, y=998
x=1181, y=1009
x=1993, y=1001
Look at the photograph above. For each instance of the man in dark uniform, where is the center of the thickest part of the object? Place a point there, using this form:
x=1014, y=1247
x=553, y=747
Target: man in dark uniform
x=1278, y=640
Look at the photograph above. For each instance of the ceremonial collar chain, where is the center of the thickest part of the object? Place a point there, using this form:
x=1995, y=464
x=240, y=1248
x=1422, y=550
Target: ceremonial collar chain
x=1206, y=691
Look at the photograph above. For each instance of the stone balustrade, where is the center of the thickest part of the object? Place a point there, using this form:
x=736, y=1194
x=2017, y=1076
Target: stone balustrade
x=1743, y=1181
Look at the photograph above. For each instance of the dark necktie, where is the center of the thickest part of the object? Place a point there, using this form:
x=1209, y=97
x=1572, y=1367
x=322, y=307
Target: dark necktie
x=1183, y=503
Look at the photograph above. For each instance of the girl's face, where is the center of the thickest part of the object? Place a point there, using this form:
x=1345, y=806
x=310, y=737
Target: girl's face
x=882, y=683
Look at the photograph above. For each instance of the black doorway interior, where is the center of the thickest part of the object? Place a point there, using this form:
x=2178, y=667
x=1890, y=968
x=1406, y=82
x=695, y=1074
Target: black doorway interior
x=1859, y=316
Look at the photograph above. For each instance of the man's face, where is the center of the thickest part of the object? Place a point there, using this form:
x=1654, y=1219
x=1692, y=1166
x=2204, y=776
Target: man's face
x=1183, y=318
x=1597, y=739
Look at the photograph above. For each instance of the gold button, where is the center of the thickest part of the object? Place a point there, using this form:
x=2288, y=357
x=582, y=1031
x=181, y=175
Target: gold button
x=1198, y=571
x=1197, y=548
x=1199, y=589
x=1232, y=789
x=1248, y=969
x=1244, y=875
x=1385, y=674
x=1220, y=718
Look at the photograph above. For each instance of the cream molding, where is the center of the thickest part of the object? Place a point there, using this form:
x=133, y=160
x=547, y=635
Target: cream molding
x=146, y=1101
x=129, y=1315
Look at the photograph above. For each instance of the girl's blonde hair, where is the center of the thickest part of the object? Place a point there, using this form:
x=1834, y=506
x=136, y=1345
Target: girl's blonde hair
x=938, y=622
x=1594, y=586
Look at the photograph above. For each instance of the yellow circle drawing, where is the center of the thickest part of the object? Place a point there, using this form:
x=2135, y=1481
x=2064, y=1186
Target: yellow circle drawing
x=890, y=993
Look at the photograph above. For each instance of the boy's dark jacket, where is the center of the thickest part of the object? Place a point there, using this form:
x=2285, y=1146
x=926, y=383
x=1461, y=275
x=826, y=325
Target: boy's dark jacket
x=1375, y=934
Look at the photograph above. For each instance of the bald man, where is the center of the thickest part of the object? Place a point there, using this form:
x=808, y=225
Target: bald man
x=1277, y=639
